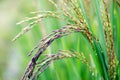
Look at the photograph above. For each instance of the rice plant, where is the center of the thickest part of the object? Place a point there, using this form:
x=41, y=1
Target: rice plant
x=78, y=18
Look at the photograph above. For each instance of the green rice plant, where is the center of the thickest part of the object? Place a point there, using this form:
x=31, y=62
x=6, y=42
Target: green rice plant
x=103, y=62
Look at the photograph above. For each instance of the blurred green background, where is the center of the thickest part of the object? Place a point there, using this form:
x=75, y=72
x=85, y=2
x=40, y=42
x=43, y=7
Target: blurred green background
x=13, y=55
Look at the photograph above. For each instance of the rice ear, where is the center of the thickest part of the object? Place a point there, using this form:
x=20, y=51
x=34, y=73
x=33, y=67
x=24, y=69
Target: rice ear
x=31, y=25
x=45, y=42
x=109, y=43
x=49, y=58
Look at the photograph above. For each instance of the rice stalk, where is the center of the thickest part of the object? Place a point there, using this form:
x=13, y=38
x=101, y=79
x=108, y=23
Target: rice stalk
x=72, y=12
x=109, y=43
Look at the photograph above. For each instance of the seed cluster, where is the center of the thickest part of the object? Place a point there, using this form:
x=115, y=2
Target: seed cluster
x=79, y=26
x=72, y=12
x=109, y=43
x=45, y=62
x=45, y=42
